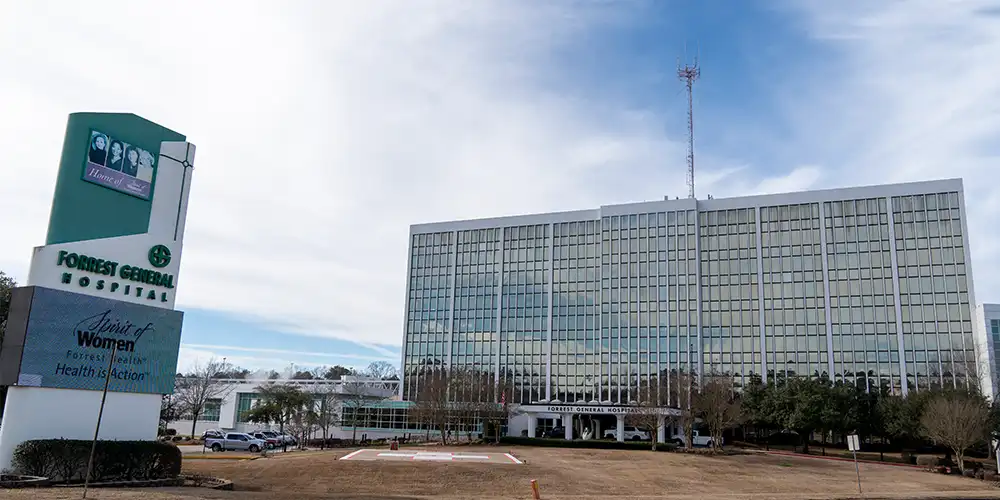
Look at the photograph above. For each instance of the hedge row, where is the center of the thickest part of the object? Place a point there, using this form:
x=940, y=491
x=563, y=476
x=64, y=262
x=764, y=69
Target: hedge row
x=601, y=444
x=66, y=460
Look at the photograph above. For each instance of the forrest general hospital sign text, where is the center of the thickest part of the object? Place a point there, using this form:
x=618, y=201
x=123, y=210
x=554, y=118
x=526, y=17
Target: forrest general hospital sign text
x=134, y=277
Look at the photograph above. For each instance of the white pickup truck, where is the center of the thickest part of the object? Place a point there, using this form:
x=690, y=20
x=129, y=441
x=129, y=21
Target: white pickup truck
x=699, y=440
x=631, y=434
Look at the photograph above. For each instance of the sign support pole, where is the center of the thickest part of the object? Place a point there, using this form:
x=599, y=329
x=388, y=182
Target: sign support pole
x=100, y=415
x=854, y=443
x=857, y=470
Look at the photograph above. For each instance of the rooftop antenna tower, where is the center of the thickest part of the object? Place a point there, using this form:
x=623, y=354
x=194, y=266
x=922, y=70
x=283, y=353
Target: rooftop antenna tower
x=689, y=73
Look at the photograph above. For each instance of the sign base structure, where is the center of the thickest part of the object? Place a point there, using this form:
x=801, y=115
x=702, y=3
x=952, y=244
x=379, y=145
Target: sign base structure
x=106, y=279
x=41, y=413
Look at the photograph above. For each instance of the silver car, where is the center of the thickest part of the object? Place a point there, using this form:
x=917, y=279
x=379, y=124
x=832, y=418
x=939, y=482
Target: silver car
x=235, y=441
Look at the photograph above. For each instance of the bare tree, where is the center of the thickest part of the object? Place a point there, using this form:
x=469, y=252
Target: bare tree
x=719, y=406
x=194, y=390
x=681, y=394
x=356, y=390
x=420, y=413
x=467, y=395
x=645, y=412
x=326, y=411
x=958, y=420
x=170, y=410
x=381, y=370
x=432, y=404
x=303, y=421
x=498, y=413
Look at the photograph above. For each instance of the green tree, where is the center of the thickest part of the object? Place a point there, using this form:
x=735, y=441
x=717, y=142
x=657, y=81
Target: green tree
x=278, y=403
x=801, y=402
x=839, y=412
x=336, y=372
x=901, y=417
x=7, y=285
x=758, y=407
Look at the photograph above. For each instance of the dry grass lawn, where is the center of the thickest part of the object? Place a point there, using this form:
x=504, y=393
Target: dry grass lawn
x=562, y=474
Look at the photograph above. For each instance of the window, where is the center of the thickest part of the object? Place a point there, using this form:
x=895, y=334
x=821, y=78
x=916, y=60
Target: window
x=212, y=410
x=244, y=402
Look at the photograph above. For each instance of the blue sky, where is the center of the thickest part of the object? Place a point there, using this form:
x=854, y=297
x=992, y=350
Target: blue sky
x=325, y=129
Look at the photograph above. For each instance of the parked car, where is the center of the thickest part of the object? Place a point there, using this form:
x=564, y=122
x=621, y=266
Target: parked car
x=236, y=441
x=697, y=438
x=280, y=438
x=212, y=433
x=559, y=432
x=631, y=434
x=269, y=441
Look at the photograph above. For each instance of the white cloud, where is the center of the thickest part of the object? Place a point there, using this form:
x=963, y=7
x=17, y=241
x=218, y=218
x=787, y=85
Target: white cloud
x=300, y=354
x=912, y=95
x=286, y=362
x=326, y=128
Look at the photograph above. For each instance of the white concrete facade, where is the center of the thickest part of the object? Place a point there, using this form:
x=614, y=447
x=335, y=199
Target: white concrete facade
x=229, y=409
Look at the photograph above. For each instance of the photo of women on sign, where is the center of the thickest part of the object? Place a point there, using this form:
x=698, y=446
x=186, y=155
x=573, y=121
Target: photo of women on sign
x=146, y=161
x=118, y=165
x=98, y=148
x=116, y=155
x=131, y=165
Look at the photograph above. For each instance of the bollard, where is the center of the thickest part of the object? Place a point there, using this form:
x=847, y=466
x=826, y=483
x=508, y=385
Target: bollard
x=534, y=490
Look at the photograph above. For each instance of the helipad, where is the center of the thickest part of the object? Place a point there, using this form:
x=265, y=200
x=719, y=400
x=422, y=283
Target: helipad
x=433, y=456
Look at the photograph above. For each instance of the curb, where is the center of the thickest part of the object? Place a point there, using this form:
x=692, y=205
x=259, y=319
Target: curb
x=840, y=459
x=219, y=457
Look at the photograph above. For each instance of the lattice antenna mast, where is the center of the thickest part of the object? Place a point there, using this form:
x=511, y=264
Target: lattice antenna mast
x=690, y=73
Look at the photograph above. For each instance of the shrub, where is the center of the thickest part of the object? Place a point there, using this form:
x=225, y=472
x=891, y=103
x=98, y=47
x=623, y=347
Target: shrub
x=580, y=443
x=66, y=460
x=330, y=443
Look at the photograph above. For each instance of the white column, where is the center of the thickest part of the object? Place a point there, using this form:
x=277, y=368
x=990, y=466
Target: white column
x=698, y=276
x=568, y=425
x=597, y=430
x=620, y=428
x=532, y=425
x=449, y=337
x=760, y=299
x=661, y=429
x=826, y=290
x=548, y=320
x=903, y=382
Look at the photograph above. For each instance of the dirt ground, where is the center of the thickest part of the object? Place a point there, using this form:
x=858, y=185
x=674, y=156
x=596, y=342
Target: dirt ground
x=562, y=474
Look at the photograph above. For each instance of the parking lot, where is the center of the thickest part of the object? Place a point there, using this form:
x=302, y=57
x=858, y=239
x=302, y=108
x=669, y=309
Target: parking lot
x=483, y=457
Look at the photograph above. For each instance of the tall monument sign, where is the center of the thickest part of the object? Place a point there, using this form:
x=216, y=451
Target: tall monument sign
x=105, y=280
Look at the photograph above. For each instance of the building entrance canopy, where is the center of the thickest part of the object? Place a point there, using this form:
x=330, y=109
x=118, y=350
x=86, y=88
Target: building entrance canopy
x=567, y=412
x=597, y=409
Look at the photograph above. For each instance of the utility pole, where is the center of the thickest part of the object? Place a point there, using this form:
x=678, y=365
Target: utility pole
x=690, y=73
